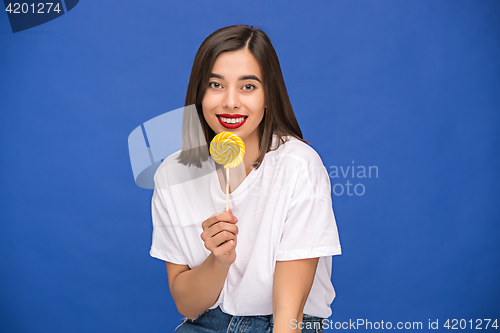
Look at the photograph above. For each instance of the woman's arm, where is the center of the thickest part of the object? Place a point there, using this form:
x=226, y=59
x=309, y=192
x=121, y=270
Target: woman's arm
x=195, y=290
x=291, y=285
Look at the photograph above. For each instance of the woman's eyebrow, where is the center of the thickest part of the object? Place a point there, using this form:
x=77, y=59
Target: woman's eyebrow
x=245, y=77
x=249, y=77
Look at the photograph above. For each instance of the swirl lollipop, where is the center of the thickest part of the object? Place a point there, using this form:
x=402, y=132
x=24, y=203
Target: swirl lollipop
x=227, y=149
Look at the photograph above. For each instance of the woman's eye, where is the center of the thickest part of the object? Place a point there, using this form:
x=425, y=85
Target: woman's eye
x=215, y=85
x=249, y=87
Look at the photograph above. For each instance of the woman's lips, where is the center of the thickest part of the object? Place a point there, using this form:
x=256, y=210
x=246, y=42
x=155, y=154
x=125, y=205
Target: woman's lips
x=232, y=126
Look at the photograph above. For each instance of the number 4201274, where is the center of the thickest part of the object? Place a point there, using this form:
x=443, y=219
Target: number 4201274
x=456, y=324
x=39, y=8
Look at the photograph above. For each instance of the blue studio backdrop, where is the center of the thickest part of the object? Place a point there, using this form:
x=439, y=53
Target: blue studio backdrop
x=409, y=91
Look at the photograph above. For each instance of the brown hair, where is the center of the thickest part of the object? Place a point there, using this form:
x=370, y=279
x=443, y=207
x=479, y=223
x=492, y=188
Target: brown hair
x=279, y=117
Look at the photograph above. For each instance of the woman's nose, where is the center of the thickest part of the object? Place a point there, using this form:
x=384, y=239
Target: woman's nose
x=231, y=99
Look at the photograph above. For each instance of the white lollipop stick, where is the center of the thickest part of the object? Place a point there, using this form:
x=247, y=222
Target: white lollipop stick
x=227, y=190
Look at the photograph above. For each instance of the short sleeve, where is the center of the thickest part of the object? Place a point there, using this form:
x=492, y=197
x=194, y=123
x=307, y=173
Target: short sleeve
x=165, y=243
x=310, y=229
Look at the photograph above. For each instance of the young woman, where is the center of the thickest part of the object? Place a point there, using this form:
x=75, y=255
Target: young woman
x=264, y=265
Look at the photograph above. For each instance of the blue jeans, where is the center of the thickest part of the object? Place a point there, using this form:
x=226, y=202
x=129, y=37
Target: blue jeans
x=215, y=320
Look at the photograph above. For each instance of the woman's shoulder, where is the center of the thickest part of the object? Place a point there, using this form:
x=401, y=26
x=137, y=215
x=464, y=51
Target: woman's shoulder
x=294, y=148
x=300, y=160
x=160, y=176
x=172, y=172
x=169, y=161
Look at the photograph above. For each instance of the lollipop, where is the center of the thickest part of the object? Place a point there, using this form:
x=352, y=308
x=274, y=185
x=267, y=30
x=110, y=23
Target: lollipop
x=227, y=149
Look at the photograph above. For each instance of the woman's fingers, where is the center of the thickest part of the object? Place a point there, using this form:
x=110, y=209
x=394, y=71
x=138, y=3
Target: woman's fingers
x=218, y=228
x=225, y=249
x=224, y=216
x=219, y=239
x=219, y=235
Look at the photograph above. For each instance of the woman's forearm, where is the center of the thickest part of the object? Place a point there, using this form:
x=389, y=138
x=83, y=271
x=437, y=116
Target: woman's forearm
x=288, y=321
x=197, y=289
x=292, y=283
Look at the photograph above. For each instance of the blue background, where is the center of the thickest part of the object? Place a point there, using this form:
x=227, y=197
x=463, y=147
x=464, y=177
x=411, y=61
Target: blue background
x=412, y=87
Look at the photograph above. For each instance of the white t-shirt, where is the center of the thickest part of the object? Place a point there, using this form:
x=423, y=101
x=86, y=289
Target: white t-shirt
x=284, y=212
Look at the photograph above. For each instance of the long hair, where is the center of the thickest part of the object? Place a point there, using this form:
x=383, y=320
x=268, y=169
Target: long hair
x=279, y=117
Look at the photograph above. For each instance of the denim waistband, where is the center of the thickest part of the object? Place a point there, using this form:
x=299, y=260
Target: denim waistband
x=217, y=319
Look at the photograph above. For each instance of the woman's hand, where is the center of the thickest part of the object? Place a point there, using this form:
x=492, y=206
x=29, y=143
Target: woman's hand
x=219, y=234
x=197, y=289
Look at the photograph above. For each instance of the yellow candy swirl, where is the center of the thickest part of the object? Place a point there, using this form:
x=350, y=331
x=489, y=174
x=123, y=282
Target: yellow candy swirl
x=227, y=149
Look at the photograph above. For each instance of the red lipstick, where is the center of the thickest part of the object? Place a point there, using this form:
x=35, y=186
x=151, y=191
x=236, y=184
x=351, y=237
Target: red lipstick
x=231, y=116
x=225, y=115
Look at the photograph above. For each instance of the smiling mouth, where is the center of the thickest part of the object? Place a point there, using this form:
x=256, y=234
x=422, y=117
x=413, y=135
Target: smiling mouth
x=229, y=121
x=232, y=122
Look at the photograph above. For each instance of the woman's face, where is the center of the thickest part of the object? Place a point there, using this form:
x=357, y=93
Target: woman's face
x=234, y=100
